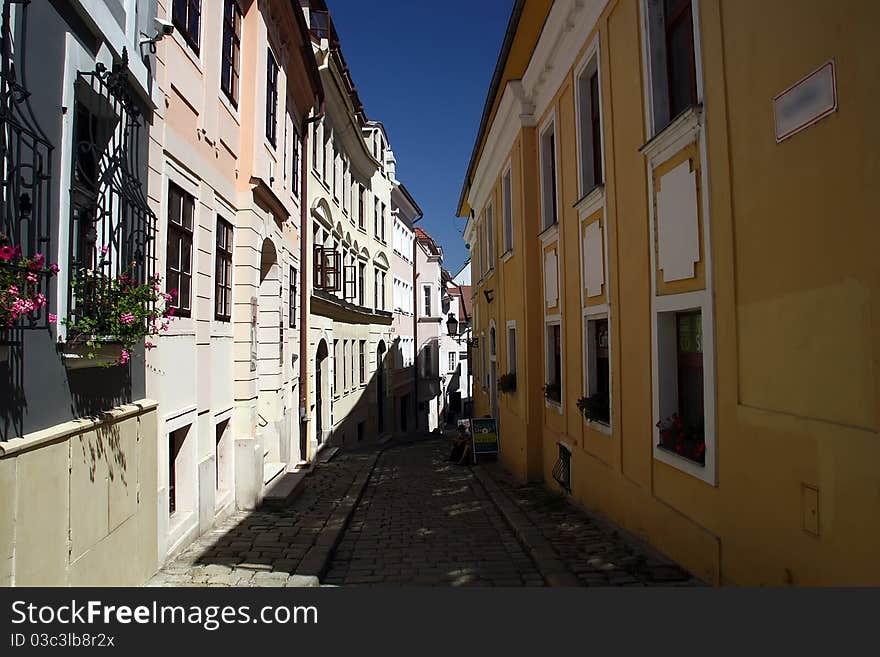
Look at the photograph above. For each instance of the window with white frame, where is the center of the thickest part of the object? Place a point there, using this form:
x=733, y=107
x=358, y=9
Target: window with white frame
x=451, y=361
x=671, y=58
x=490, y=237
x=549, y=210
x=682, y=424
x=483, y=370
x=589, y=126
x=337, y=364
x=553, y=363
x=597, y=368
x=427, y=296
x=507, y=210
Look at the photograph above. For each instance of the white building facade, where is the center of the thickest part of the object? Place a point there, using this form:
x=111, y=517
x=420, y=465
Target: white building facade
x=429, y=329
x=350, y=280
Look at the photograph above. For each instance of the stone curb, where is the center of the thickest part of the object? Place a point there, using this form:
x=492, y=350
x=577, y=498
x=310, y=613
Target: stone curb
x=316, y=561
x=552, y=568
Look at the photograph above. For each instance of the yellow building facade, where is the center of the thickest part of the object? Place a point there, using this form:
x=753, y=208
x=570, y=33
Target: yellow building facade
x=673, y=247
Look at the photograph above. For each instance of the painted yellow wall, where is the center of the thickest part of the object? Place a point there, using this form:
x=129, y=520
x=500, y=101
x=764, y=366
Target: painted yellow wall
x=796, y=276
x=80, y=502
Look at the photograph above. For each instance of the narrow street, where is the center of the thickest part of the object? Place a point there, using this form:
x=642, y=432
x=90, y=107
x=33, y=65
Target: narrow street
x=405, y=516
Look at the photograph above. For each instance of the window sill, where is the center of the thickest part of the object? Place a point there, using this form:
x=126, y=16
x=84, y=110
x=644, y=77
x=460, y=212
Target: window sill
x=549, y=403
x=549, y=232
x=686, y=125
x=507, y=255
x=599, y=426
x=590, y=202
x=230, y=107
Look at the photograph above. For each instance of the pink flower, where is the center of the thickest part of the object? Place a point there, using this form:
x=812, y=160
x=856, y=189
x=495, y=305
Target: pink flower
x=170, y=312
x=123, y=357
x=157, y=287
x=149, y=345
x=39, y=258
x=174, y=292
x=104, y=249
x=6, y=253
x=32, y=278
x=40, y=300
x=126, y=318
x=53, y=318
x=13, y=290
x=53, y=268
x=168, y=297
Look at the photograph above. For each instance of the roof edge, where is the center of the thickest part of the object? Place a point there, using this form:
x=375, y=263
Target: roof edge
x=512, y=25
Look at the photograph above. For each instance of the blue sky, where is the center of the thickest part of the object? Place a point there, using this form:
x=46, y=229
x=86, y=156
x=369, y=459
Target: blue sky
x=423, y=69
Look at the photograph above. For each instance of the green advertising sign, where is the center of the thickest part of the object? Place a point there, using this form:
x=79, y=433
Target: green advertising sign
x=484, y=432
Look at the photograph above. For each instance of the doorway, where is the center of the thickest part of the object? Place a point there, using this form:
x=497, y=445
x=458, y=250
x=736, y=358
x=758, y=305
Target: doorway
x=320, y=364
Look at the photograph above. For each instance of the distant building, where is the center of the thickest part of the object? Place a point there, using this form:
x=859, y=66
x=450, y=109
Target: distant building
x=429, y=267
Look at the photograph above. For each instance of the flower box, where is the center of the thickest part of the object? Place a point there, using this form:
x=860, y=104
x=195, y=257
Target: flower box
x=81, y=355
x=507, y=382
x=685, y=441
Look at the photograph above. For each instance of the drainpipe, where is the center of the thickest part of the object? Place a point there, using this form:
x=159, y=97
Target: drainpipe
x=304, y=279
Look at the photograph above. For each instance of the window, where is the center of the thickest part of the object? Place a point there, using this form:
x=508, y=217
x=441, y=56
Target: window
x=229, y=61
x=293, y=299
x=427, y=358
x=295, y=163
x=507, y=210
x=682, y=410
x=345, y=364
x=336, y=367
x=176, y=440
x=590, y=127
x=382, y=292
x=362, y=283
x=326, y=153
x=427, y=291
x=490, y=238
x=597, y=368
x=382, y=222
x=334, y=160
x=553, y=389
x=271, y=97
x=187, y=17
x=327, y=266
x=548, y=176
x=178, y=270
x=362, y=202
x=451, y=361
x=511, y=348
x=223, y=277
x=315, y=146
x=376, y=217
x=346, y=184
x=362, y=356
x=220, y=450
x=672, y=58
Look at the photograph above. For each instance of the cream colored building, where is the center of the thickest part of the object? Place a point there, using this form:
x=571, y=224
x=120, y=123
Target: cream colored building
x=225, y=179
x=351, y=169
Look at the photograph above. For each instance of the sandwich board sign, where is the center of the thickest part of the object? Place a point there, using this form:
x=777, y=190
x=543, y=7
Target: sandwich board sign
x=484, y=433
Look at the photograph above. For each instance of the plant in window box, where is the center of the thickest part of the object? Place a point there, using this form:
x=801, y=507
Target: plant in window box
x=595, y=408
x=683, y=439
x=553, y=392
x=112, y=315
x=507, y=382
x=20, y=288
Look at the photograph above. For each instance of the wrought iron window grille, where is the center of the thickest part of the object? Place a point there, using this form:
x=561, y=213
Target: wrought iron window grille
x=562, y=468
x=112, y=228
x=25, y=161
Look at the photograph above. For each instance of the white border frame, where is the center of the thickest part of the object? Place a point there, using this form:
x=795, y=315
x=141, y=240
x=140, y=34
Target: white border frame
x=592, y=313
x=682, y=131
x=542, y=129
x=593, y=51
x=507, y=170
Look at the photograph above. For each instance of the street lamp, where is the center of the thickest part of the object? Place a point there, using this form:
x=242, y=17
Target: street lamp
x=452, y=327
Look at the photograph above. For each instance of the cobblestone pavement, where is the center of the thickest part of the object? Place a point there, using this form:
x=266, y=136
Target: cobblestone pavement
x=267, y=547
x=419, y=521
x=425, y=521
x=592, y=549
